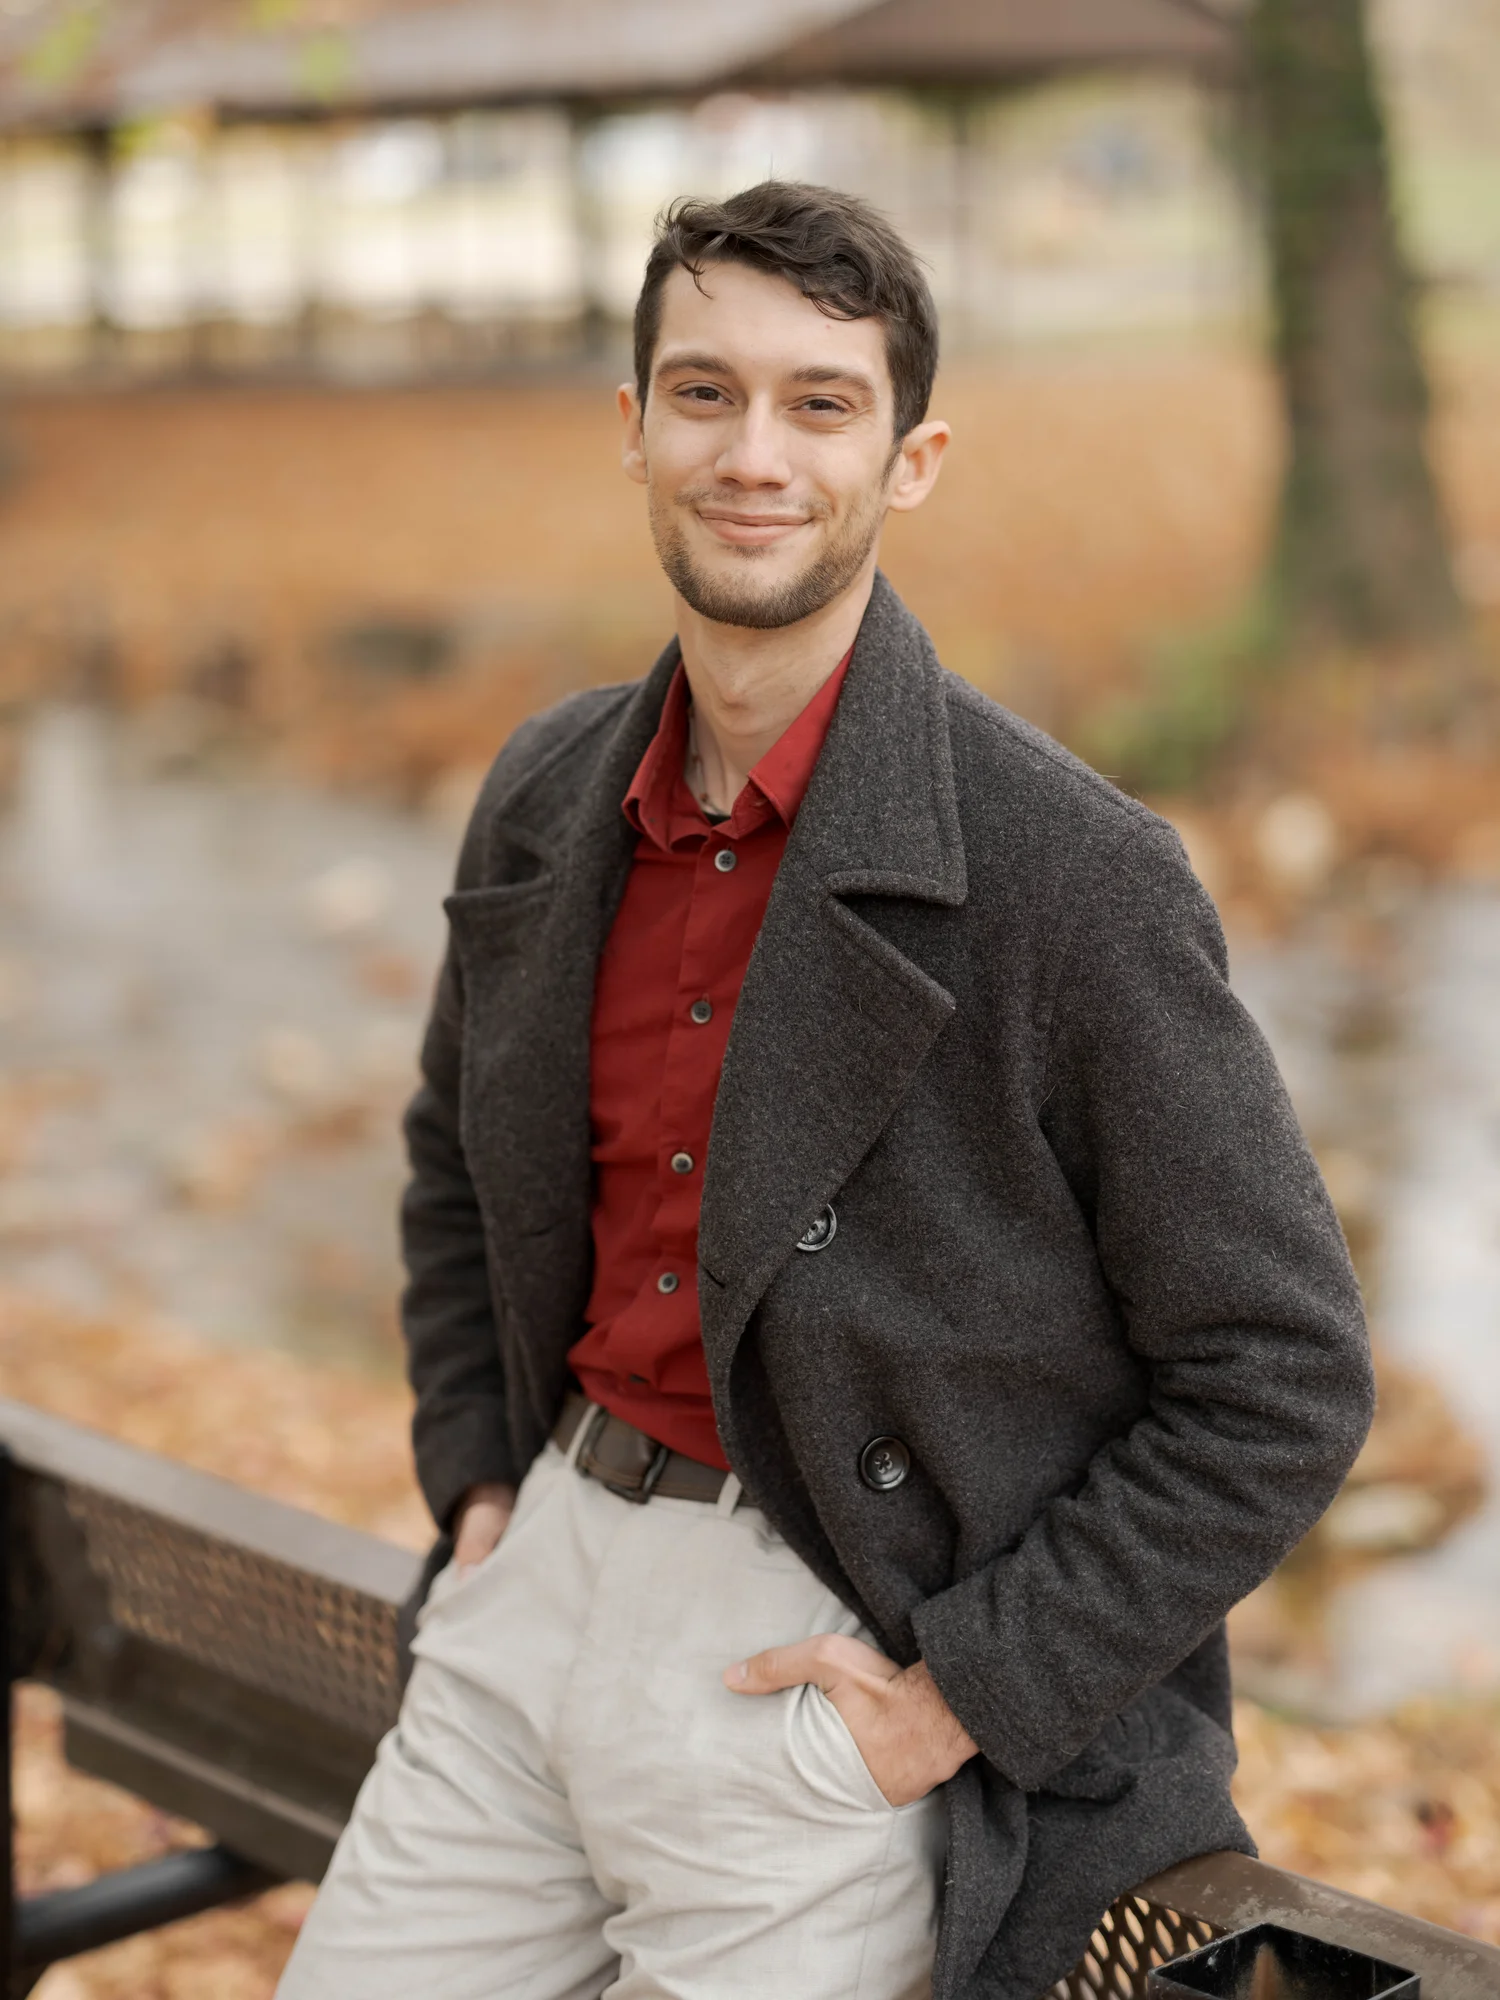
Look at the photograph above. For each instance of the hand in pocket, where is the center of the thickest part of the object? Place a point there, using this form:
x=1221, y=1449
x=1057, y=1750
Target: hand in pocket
x=483, y=1517
x=908, y=1736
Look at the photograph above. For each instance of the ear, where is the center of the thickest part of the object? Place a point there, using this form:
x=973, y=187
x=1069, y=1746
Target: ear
x=633, y=447
x=918, y=462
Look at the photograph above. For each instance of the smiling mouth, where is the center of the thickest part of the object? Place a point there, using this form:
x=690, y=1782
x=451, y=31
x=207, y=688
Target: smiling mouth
x=749, y=530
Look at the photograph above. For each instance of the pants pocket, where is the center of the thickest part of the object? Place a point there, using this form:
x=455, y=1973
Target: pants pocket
x=544, y=1477
x=827, y=1756
x=452, y=1581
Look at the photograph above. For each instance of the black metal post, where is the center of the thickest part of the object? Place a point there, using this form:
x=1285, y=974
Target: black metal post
x=118, y=1905
x=36, y=1931
x=8, y=1860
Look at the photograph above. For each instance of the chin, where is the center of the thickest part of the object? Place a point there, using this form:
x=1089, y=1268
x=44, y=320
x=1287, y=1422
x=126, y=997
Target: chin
x=750, y=571
x=751, y=584
x=763, y=589
x=748, y=575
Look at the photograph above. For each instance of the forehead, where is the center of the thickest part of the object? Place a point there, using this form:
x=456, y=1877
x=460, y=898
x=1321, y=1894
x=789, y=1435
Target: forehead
x=762, y=327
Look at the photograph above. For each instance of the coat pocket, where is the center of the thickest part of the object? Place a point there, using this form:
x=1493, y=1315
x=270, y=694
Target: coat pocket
x=1105, y=1769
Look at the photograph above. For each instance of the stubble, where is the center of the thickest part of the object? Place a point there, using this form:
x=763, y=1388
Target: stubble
x=744, y=599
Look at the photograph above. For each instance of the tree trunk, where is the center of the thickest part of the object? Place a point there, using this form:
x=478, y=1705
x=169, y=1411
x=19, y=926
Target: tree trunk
x=1360, y=552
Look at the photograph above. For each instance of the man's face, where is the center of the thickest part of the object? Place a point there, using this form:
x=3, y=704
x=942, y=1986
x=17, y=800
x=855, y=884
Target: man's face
x=766, y=448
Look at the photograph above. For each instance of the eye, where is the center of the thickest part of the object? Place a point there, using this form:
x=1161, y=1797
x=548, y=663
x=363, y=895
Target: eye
x=822, y=406
x=701, y=392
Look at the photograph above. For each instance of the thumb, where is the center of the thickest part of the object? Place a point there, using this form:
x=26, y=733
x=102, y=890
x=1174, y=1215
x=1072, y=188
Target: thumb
x=779, y=1667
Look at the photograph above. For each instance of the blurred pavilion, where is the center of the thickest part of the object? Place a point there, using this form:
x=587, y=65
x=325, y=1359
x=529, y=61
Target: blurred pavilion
x=378, y=189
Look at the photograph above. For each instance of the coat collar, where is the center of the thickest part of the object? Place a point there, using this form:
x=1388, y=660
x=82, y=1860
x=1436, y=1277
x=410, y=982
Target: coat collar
x=881, y=814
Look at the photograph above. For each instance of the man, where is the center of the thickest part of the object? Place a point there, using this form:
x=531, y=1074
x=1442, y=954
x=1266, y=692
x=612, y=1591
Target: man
x=851, y=1208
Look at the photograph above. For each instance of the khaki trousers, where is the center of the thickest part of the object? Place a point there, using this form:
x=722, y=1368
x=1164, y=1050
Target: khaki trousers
x=572, y=1805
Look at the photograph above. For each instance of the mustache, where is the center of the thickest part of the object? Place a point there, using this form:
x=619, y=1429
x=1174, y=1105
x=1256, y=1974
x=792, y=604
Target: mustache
x=731, y=502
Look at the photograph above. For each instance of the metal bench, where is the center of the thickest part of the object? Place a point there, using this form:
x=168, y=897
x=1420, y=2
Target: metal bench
x=235, y=1661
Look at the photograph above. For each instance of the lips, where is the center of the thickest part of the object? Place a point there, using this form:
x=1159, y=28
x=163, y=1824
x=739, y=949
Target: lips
x=752, y=530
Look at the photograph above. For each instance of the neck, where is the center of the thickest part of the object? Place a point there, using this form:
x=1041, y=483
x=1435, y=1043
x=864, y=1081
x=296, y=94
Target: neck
x=750, y=686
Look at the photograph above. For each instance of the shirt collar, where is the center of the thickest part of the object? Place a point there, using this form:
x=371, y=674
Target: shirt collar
x=659, y=805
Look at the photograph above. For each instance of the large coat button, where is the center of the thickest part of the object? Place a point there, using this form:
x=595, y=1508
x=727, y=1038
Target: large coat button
x=820, y=1233
x=884, y=1464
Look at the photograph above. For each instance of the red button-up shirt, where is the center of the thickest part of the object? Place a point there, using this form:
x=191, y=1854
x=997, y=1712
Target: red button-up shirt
x=669, y=977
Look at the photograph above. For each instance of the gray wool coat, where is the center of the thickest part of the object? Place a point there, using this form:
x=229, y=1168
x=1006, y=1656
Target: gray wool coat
x=1084, y=1267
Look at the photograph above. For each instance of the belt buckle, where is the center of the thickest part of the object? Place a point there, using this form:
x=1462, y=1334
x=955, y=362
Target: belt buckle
x=637, y=1495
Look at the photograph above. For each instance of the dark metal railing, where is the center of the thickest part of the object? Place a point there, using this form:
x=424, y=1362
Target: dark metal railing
x=235, y=1662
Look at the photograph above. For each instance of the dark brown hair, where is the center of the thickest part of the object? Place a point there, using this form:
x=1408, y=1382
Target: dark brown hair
x=837, y=250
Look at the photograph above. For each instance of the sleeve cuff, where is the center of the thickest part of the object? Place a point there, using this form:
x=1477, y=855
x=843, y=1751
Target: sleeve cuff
x=462, y=1446
x=984, y=1688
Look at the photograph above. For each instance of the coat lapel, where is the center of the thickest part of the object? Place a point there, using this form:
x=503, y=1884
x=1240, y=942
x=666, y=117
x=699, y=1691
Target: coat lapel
x=529, y=952
x=833, y=1021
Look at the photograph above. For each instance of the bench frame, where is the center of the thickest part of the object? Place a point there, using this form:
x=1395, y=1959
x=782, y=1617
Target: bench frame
x=235, y=1661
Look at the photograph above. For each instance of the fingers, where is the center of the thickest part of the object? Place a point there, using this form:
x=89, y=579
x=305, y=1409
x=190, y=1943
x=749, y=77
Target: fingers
x=778, y=1667
x=483, y=1516
x=489, y=1492
x=483, y=1523
x=822, y=1661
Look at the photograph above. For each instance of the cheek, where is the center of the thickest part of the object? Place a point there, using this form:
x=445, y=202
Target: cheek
x=851, y=507
x=680, y=454
x=844, y=473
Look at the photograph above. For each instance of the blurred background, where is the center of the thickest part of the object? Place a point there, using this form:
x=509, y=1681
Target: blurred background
x=310, y=316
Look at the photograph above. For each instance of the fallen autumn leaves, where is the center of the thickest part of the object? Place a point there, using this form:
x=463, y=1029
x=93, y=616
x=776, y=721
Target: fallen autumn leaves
x=1406, y=1811
x=328, y=1441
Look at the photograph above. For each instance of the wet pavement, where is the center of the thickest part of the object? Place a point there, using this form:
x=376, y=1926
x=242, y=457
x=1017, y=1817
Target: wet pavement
x=212, y=984
x=1434, y=1619
x=211, y=992
x=1385, y=1018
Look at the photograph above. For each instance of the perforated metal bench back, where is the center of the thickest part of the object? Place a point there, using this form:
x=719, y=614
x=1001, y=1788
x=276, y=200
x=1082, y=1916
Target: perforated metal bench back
x=1132, y=1937
x=293, y=1634
x=230, y=1658
x=235, y=1660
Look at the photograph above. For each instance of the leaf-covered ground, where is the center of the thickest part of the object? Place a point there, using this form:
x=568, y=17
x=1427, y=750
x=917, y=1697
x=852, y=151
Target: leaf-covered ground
x=1406, y=1811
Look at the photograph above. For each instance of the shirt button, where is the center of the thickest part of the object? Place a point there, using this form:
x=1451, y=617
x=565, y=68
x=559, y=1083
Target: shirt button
x=884, y=1464
x=701, y=1011
x=668, y=1281
x=725, y=860
x=682, y=1163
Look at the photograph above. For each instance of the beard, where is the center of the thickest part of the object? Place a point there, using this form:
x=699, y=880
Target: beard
x=745, y=599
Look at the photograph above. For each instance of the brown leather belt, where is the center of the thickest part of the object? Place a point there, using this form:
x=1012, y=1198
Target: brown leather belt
x=627, y=1461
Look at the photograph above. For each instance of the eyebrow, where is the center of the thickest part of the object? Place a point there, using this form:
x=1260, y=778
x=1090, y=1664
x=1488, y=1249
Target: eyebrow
x=703, y=364
x=827, y=377
x=812, y=377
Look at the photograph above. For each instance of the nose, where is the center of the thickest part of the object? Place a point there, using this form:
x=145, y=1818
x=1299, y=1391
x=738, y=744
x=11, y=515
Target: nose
x=754, y=452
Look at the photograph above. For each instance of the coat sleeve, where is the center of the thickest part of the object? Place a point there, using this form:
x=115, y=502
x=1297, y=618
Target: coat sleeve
x=459, y=1430
x=1166, y=1114
x=460, y=1434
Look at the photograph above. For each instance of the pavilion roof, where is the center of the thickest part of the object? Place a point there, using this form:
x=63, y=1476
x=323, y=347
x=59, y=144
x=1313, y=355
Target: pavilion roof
x=66, y=64
x=960, y=42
